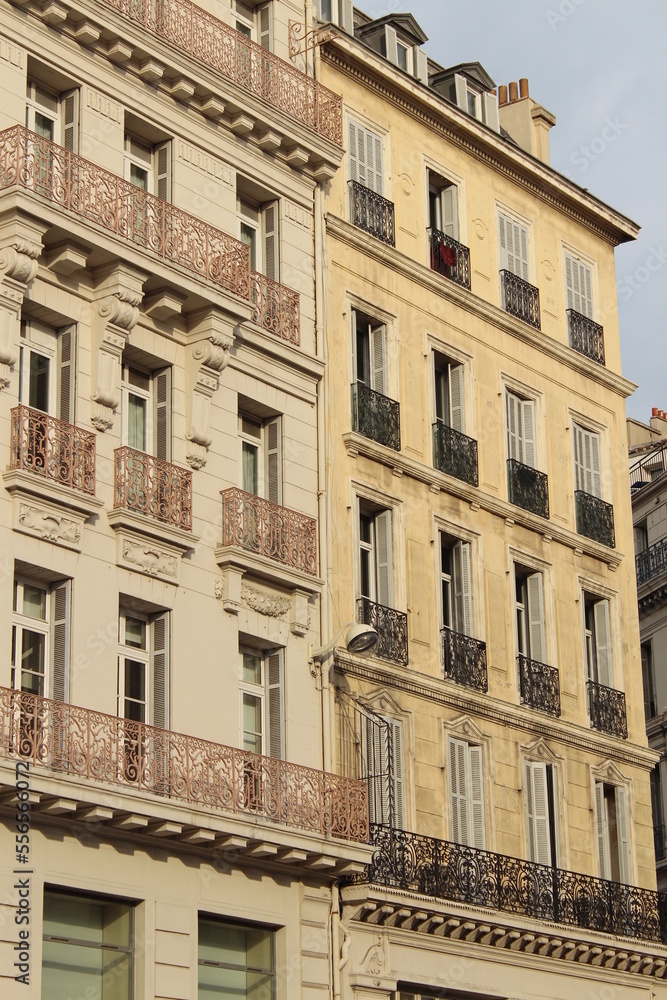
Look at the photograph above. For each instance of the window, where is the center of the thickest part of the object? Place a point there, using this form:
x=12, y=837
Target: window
x=365, y=157
x=640, y=534
x=442, y=205
x=467, y=793
x=588, y=476
x=143, y=668
x=611, y=817
x=375, y=559
x=87, y=945
x=474, y=103
x=578, y=283
x=146, y=410
x=541, y=813
x=148, y=166
x=235, y=960
x=262, y=703
x=455, y=582
x=40, y=638
x=530, y=629
x=338, y=12
x=258, y=229
x=403, y=56
x=658, y=811
x=648, y=678
x=254, y=22
x=53, y=116
x=513, y=246
x=47, y=368
x=383, y=740
x=448, y=380
x=598, y=640
x=261, y=456
x=520, y=429
x=370, y=339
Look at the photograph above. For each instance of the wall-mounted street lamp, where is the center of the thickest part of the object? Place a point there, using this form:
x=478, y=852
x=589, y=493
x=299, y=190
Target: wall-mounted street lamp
x=359, y=639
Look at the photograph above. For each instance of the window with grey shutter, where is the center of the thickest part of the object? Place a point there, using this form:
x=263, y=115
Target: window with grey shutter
x=383, y=766
x=66, y=373
x=611, y=820
x=271, y=241
x=365, y=157
x=467, y=793
x=159, y=651
x=521, y=429
x=265, y=26
x=275, y=701
x=162, y=154
x=540, y=812
x=513, y=246
x=588, y=471
x=579, y=286
x=60, y=640
x=273, y=459
x=161, y=389
x=69, y=110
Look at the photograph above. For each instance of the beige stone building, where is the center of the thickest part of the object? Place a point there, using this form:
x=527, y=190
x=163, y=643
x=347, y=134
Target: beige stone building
x=478, y=514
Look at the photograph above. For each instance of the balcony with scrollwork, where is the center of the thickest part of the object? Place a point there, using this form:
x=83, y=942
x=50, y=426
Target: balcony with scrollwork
x=153, y=488
x=105, y=754
x=586, y=336
x=275, y=307
x=520, y=298
x=465, y=660
x=429, y=867
x=652, y=562
x=539, y=685
x=606, y=708
x=528, y=488
x=450, y=258
x=392, y=629
x=372, y=213
x=595, y=518
x=263, y=528
x=455, y=453
x=376, y=416
x=53, y=449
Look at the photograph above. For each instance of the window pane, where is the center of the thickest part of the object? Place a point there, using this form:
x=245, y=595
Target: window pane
x=33, y=647
x=250, y=457
x=252, y=723
x=235, y=962
x=222, y=943
x=38, y=393
x=135, y=633
x=136, y=422
x=34, y=602
x=135, y=680
x=139, y=176
x=248, y=234
x=402, y=54
x=44, y=126
x=217, y=982
x=252, y=668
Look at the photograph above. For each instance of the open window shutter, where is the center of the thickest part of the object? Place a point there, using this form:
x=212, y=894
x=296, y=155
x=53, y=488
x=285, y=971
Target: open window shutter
x=579, y=466
x=346, y=16
x=490, y=111
x=273, y=461
x=513, y=426
x=372, y=744
x=586, y=291
x=271, y=267
x=383, y=558
x=536, y=617
x=458, y=791
x=374, y=162
x=596, y=472
x=420, y=63
x=159, y=670
x=622, y=834
x=528, y=432
x=477, y=797
x=264, y=26
x=69, y=104
x=569, y=283
x=275, y=694
x=602, y=828
x=603, y=642
x=378, y=338
x=456, y=396
x=521, y=247
x=504, y=234
x=461, y=87
x=353, y=151
x=66, y=372
x=391, y=44
x=162, y=414
x=163, y=171
x=466, y=595
x=538, y=813
x=397, y=768
x=60, y=641
x=450, y=222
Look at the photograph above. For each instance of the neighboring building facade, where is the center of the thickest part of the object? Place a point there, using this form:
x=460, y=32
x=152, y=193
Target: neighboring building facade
x=479, y=515
x=157, y=347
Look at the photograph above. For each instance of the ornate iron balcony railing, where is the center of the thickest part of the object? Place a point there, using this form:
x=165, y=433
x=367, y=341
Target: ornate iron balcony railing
x=450, y=258
x=606, y=707
x=376, y=416
x=586, y=336
x=438, y=868
x=651, y=562
x=89, y=192
x=521, y=299
x=54, y=449
x=392, y=628
x=595, y=518
x=276, y=308
x=539, y=685
x=465, y=659
x=659, y=841
x=151, y=486
x=528, y=488
x=80, y=742
x=372, y=212
x=455, y=453
x=229, y=53
x=269, y=529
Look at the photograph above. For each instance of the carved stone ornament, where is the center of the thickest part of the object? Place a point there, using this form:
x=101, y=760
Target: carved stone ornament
x=117, y=314
x=10, y=312
x=219, y=588
x=373, y=960
x=121, y=309
x=20, y=261
x=150, y=560
x=208, y=356
x=49, y=526
x=271, y=605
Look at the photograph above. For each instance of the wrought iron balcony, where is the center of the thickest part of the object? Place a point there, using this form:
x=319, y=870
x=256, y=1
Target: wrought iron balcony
x=256, y=70
x=455, y=453
x=586, y=336
x=268, y=529
x=606, y=707
x=595, y=518
x=376, y=416
x=651, y=562
x=539, y=685
x=276, y=308
x=103, y=199
x=659, y=842
x=465, y=660
x=521, y=299
x=450, y=258
x=152, y=487
x=438, y=868
x=53, y=449
x=528, y=488
x=83, y=743
x=372, y=212
x=392, y=628
x=649, y=468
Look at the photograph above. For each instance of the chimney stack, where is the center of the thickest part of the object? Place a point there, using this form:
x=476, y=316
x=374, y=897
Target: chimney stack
x=526, y=121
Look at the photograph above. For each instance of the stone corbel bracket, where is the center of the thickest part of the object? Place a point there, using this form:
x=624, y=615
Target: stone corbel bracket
x=118, y=296
x=10, y=317
x=20, y=250
x=212, y=335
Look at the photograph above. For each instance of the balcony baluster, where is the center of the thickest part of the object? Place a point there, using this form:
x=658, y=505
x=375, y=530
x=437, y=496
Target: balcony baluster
x=376, y=416
x=450, y=258
x=595, y=518
x=520, y=298
x=392, y=628
x=59, y=452
x=268, y=529
x=586, y=337
x=528, y=488
x=606, y=707
x=465, y=660
x=153, y=487
x=455, y=453
x=539, y=685
x=372, y=213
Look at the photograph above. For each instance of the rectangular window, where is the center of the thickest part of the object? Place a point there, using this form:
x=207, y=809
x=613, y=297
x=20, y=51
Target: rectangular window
x=47, y=369
x=657, y=808
x=370, y=351
x=598, y=640
x=235, y=960
x=455, y=582
x=513, y=246
x=648, y=678
x=530, y=626
x=261, y=456
x=383, y=762
x=263, y=702
x=521, y=429
x=578, y=283
x=365, y=157
x=541, y=813
x=375, y=558
x=611, y=816
x=143, y=668
x=146, y=410
x=448, y=381
x=53, y=116
x=256, y=23
x=640, y=535
x=442, y=205
x=87, y=947
x=588, y=475
x=40, y=638
x=148, y=166
x=258, y=229
x=467, y=793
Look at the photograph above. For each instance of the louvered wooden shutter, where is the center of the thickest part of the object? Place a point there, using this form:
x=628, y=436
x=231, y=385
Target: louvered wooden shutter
x=275, y=700
x=264, y=23
x=536, y=617
x=273, y=461
x=160, y=670
x=397, y=772
x=162, y=414
x=375, y=174
x=622, y=834
x=456, y=397
x=391, y=44
x=478, y=838
x=602, y=829
x=449, y=206
x=490, y=111
x=578, y=283
x=420, y=64
x=271, y=266
x=163, y=171
x=346, y=16
x=375, y=757
x=69, y=104
x=587, y=461
x=60, y=641
x=462, y=589
x=513, y=247
x=603, y=642
x=528, y=433
x=461, y=88
x=357, y=153
x=457, y=771
x=514, y=427
x=537, y=802
x=383, y=561
x=66, y=373
x=378, y=359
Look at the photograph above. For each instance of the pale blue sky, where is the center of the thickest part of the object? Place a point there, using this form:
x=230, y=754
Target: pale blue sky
x=591, y=62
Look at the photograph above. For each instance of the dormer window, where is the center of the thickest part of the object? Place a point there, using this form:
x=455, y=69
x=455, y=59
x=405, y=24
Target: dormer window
x=398, y=38
x=474, y=104
x=403, y=56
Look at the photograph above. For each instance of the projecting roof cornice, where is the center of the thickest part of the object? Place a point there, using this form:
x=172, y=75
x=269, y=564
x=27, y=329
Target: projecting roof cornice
x=355, y=60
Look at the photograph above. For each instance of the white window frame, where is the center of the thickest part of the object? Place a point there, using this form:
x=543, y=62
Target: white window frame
x=253, y=217
x=260, y=442
x=466, y=767
x=22, y=622
x=56, y=631
x=251, y=22
x=588, y=265
x=599, y=657
x=372, y=548
x=360, y=173
x=541, y=846
x=407, y=48
x=148, y=165
x=40, y=339
x=527, y=269
x=375, y=349
x=475, y=97
x=460, y=601
x=152, y=400
x=603, y=790
x=146, y=657
x=35, y=107
x=398, y=769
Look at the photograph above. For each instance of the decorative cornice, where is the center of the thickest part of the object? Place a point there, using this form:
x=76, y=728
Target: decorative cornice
x=20, y=261
x=120, y=309
x=272, y=605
